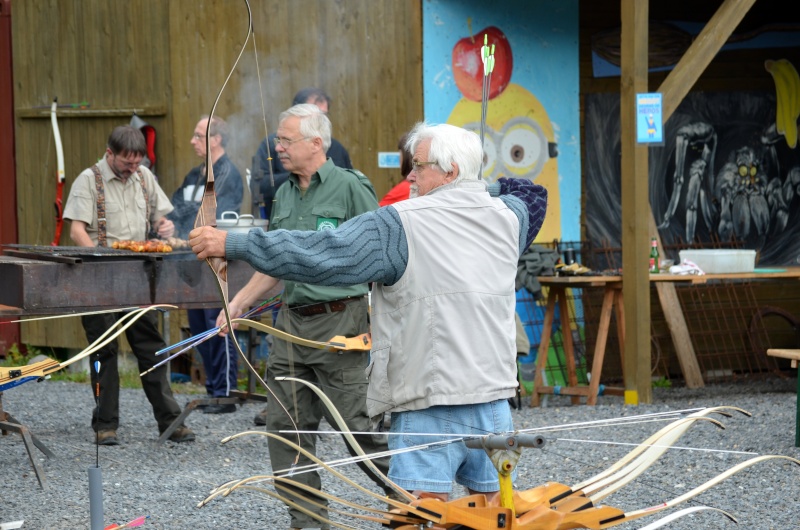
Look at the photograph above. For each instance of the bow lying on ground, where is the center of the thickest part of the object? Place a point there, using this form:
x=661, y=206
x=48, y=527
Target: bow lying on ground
x=551, y=506
x=11, y=376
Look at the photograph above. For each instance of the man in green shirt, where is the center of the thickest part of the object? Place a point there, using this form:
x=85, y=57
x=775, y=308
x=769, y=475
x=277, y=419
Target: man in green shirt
x=317, y=196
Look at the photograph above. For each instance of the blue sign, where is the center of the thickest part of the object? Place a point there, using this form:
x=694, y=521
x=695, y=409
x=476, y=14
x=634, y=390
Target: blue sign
x=649, y=119
x=389, y=159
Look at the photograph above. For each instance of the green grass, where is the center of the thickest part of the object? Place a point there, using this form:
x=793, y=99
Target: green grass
x=662, y=383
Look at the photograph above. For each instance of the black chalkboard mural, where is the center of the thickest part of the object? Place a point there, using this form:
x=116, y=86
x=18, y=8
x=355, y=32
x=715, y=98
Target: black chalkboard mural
x=725, y=174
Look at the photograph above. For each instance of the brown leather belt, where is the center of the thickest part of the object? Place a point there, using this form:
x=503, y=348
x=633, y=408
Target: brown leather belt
x=333, y=306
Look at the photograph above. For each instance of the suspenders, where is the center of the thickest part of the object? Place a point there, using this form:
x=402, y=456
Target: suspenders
x=101, y=205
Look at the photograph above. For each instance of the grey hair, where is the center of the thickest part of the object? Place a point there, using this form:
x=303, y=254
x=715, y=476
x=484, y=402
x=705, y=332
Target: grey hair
x=449, y=145
x=313, y=122
x=219, y=127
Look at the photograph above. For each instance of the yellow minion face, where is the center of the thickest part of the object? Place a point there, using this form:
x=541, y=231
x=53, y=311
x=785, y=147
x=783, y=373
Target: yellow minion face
x=518, y=143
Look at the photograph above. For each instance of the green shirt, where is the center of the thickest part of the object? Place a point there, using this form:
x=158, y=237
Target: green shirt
x=334, y=196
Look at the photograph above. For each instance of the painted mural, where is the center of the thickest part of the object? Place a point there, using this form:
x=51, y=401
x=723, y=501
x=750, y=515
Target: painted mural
x=532, y=119
x=728, y=173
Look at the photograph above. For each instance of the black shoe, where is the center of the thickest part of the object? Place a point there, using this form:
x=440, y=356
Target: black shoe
x=220, y=409
x=261, y=418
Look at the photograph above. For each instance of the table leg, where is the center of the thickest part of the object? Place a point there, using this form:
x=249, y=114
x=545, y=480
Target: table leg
x=797, y=411
x=619, y=312
x=600, y=345
x=544, y=344
x=569, y=349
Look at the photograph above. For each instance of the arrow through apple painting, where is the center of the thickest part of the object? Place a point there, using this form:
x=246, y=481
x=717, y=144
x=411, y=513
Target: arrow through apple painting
x=519, y=141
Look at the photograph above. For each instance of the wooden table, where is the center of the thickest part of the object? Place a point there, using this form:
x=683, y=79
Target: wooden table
x=612, y=303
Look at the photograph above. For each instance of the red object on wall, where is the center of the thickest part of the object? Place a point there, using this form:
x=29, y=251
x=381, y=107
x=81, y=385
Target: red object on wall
x=9, y=333
x=468, y=64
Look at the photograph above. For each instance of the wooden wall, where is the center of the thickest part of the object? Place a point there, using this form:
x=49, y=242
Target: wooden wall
x=168, y=60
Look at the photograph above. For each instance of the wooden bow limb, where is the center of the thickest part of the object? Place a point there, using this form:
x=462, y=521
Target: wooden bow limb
x=677, y=427
x=11, y=376
x=361, y=342
x=603, y=488
x=345, y=430
x=230, y=486
x=305, y=510
x=588, y=493
x=624, y=470
x=85, y=313
x=383, y=517
x=686, y=511
x=607, y=517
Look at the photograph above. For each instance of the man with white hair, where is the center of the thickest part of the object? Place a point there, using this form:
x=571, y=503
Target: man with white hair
x=443, y=357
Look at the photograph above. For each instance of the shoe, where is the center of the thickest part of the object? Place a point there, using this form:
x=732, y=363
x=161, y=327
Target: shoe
x=107, y=437
x=220, y=409
x=261, y=418
x=182, y=434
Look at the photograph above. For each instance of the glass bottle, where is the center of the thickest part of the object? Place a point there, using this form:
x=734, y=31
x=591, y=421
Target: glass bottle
x=653, y=255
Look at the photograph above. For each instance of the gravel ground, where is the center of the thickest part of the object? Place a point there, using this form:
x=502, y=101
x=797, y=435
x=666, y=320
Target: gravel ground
x=167, y=482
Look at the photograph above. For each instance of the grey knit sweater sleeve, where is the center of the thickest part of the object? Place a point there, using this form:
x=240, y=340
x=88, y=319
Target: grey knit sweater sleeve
x=369, y=247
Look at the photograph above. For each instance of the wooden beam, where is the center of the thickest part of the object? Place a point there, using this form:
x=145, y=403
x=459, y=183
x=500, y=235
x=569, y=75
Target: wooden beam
x=702, y=50
x=635, y=204
x=127, y=112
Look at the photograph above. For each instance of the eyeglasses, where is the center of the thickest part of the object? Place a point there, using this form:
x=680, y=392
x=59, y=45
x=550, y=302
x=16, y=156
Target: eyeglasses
x=286, y=142
x=416, y=165
x=135, y=163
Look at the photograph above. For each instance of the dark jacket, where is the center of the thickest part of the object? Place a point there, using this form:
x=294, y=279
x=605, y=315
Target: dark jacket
x=263, y=191
x=227, y=186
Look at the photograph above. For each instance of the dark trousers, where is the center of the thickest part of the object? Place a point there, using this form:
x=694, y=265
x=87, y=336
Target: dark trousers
x=340, y=375
x=219, y=354
x=145, y=340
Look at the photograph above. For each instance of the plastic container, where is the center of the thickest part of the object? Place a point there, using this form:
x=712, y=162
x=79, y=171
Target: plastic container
x=718, y=261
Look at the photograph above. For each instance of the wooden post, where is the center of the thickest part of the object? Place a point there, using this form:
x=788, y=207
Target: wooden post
x=635, y=205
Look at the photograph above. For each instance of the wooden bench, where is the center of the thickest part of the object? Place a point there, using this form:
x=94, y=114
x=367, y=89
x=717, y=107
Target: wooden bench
x=794, y=355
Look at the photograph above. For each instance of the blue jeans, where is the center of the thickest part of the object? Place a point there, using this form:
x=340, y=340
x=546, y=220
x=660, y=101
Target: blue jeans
x=433, y=469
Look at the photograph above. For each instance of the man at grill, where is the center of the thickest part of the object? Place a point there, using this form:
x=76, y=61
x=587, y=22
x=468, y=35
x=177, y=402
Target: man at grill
x=317, y=196
x=443, y=355
x=118, y=199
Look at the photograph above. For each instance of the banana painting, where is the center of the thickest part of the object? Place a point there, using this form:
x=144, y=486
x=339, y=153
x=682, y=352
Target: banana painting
x=787, y=89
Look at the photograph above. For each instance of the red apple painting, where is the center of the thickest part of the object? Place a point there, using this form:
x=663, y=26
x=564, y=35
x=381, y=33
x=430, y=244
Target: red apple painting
x=468, y=66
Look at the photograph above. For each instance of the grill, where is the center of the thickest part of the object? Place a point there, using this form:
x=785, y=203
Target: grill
x=52, y=280
x=75, y=255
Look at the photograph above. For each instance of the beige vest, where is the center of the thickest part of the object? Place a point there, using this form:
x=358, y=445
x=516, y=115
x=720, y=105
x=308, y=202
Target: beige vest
x=444, y=333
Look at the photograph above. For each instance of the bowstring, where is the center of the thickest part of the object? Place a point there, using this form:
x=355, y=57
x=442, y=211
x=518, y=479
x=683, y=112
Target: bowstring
x=263, y=113
x=208, y=208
